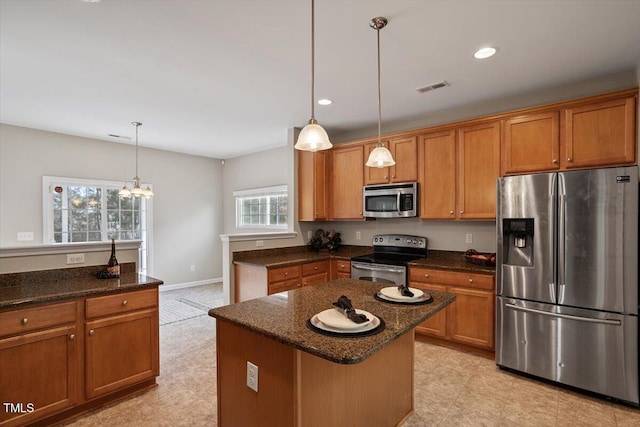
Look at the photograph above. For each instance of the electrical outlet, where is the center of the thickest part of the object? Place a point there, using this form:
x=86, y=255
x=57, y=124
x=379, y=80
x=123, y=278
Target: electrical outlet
x=193, y=267
x=469, y=238
x=252, y=376
x=309, y=234
x=24, y=236
x=75, y=258
x=358, y=235
x=259, y=243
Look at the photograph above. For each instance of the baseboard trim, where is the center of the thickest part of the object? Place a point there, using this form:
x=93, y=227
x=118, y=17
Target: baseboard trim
x=175, y=286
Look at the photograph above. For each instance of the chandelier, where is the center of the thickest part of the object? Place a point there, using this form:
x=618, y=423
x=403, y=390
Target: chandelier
x=136, y=189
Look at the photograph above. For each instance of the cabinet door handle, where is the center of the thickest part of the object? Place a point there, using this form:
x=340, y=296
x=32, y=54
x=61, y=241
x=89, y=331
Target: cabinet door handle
x=341, y=265
x=461, y=211
x=393, y=176
x=92, y=332
x=286, y=273
x=124, y=303
x=470, y=280
x=426, y=274
x=24, y=321
x=72, y=337
x=451, y=212
x=570, y=159
x=554, y=161
x=315, y=268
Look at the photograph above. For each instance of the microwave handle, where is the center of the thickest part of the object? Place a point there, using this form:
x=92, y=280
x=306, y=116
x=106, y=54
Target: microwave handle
x=398, y=203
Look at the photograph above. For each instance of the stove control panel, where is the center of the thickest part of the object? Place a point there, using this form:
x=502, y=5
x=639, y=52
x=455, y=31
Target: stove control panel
x=400, y=240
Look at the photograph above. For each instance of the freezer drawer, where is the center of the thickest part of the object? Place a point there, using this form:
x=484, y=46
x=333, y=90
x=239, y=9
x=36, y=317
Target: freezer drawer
x=591, y=350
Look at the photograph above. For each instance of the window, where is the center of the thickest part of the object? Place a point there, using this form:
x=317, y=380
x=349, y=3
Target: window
x=262, y=208
x=82, y=210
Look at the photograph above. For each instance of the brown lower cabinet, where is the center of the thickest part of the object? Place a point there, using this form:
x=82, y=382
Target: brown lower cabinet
x=54, y=360
x=254, y=281
x=469, y=319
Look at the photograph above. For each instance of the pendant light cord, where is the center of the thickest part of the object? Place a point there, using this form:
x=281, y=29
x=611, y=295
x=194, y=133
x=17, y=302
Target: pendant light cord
x=313, y=116
x=379, y=103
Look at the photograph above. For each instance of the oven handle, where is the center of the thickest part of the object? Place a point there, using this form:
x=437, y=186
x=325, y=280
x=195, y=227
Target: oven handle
x=387, y=269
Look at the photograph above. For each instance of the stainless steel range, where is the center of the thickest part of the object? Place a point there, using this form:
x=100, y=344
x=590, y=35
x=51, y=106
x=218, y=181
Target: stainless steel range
x=388, y=262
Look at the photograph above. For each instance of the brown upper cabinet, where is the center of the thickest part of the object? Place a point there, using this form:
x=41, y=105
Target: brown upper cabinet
x=478, y=170
x=437, y=191
x=404, y=151
x=458, y=171
x=313, y=173
x=346, y=181
x=531, y=143
x=585, y=135
x=601, y=134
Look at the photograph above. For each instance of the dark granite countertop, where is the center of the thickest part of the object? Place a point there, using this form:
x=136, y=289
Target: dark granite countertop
x=451, y=260
x=38, y=292
x=283, y=317
x=285, y=257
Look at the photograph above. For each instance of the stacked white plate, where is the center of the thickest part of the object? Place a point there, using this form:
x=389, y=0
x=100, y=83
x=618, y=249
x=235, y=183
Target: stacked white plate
x=333, y=320
x=392, y=293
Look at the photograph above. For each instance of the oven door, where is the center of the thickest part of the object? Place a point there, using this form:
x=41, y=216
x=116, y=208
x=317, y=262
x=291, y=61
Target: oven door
x=381, y=273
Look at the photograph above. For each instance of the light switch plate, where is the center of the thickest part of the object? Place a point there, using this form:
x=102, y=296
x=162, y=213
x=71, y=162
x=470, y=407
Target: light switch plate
x=24, y=236
x=469, y=238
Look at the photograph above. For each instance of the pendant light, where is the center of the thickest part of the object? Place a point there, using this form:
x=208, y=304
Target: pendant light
x=313, y=137
x=136, y=190
x=380, y=157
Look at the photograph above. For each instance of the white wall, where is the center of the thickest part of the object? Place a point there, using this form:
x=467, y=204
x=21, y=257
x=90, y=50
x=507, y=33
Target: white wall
x=186, y=223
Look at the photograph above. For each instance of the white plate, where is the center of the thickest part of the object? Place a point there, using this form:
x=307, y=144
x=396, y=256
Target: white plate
x=394, y=293
x=374, y=323
x=423, y=298
x=334, y=319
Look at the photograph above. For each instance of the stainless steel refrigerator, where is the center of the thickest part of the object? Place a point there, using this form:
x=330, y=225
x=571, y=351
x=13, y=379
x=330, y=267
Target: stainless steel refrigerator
x=567, y=274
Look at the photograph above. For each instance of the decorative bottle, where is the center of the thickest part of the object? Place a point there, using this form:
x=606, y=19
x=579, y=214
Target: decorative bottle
x=113, y=268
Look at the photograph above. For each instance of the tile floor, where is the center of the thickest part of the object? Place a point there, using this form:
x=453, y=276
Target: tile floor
x=452, y=388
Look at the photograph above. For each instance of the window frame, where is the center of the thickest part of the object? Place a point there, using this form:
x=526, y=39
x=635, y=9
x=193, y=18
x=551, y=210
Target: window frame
x=273, y=191
x=48, y=218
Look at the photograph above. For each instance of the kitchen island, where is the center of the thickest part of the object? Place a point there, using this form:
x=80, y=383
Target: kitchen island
x=309, y=379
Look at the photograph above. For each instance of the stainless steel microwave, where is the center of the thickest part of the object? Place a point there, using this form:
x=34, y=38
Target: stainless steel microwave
x=390, y=200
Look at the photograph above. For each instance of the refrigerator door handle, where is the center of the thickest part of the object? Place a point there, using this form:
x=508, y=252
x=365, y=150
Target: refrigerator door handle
x=561, y=241
x=565, y=316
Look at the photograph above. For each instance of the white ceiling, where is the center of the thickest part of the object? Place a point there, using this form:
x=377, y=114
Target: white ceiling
x=222, y=78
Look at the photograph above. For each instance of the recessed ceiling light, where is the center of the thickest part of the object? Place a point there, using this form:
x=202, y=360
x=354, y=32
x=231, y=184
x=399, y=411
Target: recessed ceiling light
x=325, y=101
x=484, y=52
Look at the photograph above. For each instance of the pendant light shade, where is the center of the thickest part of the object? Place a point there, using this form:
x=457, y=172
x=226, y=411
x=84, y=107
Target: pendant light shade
x=380, y=156
x=313, y=137
x=136, y=190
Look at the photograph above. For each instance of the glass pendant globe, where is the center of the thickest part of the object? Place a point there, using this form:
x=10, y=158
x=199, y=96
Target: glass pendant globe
x=313, y=138
x=380, y=157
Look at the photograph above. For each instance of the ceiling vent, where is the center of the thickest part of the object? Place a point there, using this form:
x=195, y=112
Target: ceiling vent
x=431, y=87
x=112, y=135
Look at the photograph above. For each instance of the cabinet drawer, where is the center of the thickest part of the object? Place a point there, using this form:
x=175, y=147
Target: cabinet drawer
x=315, y=267
x=283, y=286
x=284, y=273
x=342, y=266
x=121, y=303
x=469, y=280
x=30, y=319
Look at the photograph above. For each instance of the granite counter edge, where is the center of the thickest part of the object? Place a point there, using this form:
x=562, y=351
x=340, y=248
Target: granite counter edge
x=324, y=355
x=52, y=298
